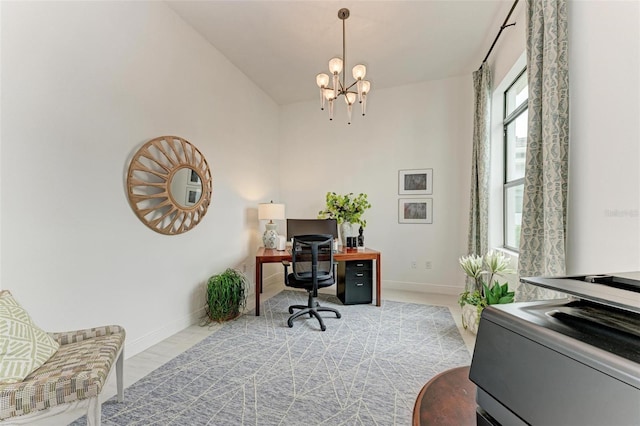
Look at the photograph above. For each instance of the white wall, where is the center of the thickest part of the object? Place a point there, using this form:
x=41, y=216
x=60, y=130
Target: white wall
x=84, y=84
x=604, y=156
x=425, y=125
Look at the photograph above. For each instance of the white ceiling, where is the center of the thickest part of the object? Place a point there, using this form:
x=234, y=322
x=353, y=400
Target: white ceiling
x=282, y=45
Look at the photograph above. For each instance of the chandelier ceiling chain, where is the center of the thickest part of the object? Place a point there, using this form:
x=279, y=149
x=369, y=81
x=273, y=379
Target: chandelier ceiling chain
x=336, y=67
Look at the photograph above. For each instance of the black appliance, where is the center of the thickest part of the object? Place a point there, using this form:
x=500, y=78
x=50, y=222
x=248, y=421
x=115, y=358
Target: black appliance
x=573, y=361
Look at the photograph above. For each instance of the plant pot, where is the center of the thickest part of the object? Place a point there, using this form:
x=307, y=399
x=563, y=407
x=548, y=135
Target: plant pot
x=226, y=295
x=348, y=229
x=471, y=317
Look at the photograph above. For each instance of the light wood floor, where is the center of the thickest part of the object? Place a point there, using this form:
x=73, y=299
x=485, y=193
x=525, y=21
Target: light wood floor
x=140, y=365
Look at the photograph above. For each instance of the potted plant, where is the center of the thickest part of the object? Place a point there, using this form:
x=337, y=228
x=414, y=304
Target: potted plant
x=348, y=210
x=482, y=293
x=226, y=295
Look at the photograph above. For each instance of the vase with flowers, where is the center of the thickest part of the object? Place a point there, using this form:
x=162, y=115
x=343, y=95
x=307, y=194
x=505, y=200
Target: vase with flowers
x=479, y=292
x=348, y=210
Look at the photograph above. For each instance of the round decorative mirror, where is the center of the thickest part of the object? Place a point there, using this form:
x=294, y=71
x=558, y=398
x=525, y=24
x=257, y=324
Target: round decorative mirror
x=169, y=185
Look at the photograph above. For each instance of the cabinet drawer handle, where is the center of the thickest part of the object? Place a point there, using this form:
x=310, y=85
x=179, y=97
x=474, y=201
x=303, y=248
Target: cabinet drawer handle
x=359, y=284
x=360, y=274
x=359, y=265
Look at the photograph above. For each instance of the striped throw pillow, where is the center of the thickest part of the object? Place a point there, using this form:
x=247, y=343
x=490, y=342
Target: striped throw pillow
x=24, y=347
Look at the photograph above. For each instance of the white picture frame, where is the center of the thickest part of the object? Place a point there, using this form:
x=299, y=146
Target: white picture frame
x=415, y=182
x=192, y=195
x=415, y=210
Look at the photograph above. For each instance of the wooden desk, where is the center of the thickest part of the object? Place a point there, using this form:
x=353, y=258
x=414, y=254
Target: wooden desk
x=274, y=256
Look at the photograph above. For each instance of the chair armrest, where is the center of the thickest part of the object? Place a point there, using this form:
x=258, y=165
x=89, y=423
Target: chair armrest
x=64, y=338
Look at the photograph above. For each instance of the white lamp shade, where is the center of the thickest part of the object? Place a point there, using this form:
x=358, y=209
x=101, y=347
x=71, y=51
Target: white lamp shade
x=270, y=211
x=350, y=98
x=328, y=94
x=335, y=66
x=366, y=86
x=359, y=71
x=322, y=80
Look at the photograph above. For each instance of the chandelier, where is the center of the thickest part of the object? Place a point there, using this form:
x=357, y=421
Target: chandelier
x=336, y=65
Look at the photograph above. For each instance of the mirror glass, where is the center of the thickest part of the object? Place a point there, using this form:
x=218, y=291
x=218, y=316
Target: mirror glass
x=169, y=185
x=186, y=187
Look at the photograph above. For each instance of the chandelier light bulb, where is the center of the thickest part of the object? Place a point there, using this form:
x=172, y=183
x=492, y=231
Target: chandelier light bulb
x=322, y=80
x=335, y=66
x=350, y=98
x=359, y=71
x=366, y=86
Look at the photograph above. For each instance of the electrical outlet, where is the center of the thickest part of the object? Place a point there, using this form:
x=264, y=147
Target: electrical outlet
x=427, y=264
x=414, y=264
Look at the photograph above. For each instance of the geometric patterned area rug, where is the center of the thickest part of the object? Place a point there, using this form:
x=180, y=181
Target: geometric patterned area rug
x=367, y=368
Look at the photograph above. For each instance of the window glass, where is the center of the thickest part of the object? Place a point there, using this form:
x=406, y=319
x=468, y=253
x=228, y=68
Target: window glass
x=513, y=216
x=516, y=147
x=517, y=94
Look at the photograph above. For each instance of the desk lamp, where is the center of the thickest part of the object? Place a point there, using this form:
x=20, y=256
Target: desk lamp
x=270, y=212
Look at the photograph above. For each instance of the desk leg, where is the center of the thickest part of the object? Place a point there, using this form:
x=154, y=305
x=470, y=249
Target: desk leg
x=378, y=280
x=258, y=289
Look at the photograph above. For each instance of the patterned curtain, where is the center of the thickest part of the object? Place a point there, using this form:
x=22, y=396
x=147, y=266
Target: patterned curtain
x=479, y=209
x=544, y=210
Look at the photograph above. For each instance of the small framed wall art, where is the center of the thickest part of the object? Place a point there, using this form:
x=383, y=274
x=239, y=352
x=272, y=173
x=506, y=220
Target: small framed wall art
x=194, y=179
x=415, y=182
x=415, y=210
x=193, y=196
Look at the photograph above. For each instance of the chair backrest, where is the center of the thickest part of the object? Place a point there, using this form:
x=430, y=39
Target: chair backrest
x=312, y=257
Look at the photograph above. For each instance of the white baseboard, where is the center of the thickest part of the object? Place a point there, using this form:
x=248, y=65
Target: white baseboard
x=391, y=285
x=422, y=287
x=277, y=278
x=142, y=343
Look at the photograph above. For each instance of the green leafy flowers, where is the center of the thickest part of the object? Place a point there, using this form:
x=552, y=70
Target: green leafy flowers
x=345, y=208
x=484, y=293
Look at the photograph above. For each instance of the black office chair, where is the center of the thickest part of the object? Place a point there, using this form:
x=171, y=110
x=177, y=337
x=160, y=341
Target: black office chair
x=312, y=268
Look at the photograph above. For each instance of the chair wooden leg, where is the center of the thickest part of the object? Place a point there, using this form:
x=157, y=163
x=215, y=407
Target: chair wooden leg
x=120, y=375
x=94, y=412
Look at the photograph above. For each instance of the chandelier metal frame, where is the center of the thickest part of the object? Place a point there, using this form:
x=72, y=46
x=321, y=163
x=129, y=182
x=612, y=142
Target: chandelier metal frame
x=336, y=67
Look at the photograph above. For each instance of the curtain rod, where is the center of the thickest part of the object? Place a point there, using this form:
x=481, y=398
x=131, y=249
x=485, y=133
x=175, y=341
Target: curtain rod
x=504, y=25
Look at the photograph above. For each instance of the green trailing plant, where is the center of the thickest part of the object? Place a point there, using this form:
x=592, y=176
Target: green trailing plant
x=481, y=293
x=345, y=208
x=226, y=295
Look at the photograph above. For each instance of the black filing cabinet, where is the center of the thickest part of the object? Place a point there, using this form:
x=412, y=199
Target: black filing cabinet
x=355, y=281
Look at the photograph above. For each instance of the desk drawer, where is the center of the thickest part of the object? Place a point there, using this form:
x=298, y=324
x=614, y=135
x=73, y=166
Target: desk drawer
x=355, y=281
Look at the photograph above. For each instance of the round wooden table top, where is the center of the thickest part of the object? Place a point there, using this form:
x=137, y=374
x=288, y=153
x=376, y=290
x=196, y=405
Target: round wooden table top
x=447, y=399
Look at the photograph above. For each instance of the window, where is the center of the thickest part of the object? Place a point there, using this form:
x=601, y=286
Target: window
x=515, y=149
